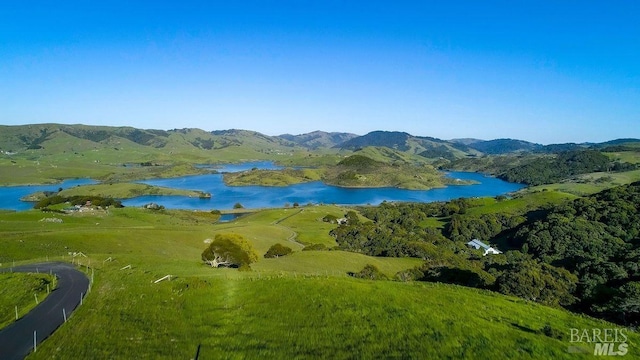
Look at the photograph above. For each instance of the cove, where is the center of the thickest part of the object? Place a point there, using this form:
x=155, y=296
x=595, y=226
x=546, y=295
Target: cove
x=10, y=195
x=224, y=197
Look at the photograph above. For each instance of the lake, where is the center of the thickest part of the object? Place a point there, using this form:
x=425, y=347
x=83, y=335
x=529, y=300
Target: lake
x=10, y=195
x=224, y=197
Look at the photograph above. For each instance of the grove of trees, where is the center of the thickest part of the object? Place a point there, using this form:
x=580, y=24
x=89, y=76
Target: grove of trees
x=583, y=255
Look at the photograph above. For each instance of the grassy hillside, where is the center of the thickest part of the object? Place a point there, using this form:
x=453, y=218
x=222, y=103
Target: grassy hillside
x=369, y=167
x=426, y=147
x=319, y=139
x=361, y=171
x=19, y=292
x=272, y=177
x=45, y=153
x=587, y=184
x=301, y=305
x=117, y=191
x=520, y=204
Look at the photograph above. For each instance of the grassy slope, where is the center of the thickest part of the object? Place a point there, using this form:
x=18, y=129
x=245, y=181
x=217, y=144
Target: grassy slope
x=283, y=177
x=520, y=204
x=125, y=190
x=18, y=290
x=588, y=184
x=116, y=191
x=63, y=154
x=302, y=305
x=290, y=317
x=392, y=169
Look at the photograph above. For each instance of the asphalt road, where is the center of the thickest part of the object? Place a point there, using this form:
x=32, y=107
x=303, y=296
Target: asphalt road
x=16, y=340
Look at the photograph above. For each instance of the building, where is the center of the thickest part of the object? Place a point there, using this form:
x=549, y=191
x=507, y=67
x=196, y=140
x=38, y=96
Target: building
x=479, y=245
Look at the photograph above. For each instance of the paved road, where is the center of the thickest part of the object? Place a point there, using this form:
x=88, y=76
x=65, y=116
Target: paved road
x=16, y=340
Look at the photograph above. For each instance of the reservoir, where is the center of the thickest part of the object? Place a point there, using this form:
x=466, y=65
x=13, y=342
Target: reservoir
x=224, y=197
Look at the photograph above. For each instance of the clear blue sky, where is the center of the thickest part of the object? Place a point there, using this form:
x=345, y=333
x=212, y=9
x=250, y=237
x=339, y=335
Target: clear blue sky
x=543, y=71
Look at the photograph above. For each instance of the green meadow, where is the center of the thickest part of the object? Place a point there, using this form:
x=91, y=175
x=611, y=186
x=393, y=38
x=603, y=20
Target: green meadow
x=521, y=203
x=588, y=184
x=303, y=305
x=21, y=292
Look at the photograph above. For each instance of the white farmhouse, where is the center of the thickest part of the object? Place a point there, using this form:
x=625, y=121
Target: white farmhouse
x=477, y=244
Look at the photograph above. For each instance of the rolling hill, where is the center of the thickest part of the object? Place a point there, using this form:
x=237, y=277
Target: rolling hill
x=302, y=305
x=427, y=147
x=319, y=139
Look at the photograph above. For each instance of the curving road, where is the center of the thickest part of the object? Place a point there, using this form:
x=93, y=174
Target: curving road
x=16, y=340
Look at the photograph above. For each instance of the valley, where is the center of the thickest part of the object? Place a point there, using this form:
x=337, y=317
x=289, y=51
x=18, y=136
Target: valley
x=402, y=266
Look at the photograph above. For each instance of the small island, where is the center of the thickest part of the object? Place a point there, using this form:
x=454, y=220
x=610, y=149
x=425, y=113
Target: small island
x=355, y=171
x=116, y=191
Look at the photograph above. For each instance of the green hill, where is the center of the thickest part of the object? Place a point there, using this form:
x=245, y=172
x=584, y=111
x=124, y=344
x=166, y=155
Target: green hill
x=319, y=139
x=299, y=306
x=362, y=171
x=45, y=153
x=426, y=147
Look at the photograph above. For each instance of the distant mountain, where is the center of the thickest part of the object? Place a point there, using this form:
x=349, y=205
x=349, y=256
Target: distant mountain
x=465, y=141
x=319, y=139
x=122, y=144
x=503, y=146
x=427, y=147
x=557, y=148
x=391, y=139
x=126, y=143
x=626, y=141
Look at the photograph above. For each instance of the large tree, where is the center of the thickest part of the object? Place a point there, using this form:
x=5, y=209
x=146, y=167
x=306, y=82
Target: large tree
x=229, y=250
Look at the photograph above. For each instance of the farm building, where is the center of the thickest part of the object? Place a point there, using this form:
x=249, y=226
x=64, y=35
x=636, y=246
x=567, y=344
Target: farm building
x=479, y=245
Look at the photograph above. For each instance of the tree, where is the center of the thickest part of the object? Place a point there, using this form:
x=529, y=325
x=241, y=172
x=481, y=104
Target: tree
x=277, y=250
x=237, y=206
x=230, y=250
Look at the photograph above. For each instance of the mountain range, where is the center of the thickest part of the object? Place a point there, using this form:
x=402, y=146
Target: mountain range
x=57, y=137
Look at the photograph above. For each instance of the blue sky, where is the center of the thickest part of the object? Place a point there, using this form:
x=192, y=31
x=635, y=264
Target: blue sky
x=543, y=71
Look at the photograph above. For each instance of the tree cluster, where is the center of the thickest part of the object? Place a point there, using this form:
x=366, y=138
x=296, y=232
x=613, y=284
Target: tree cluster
x=597, y=238
x=547, y=170
x=583, y=255
x=77, y=200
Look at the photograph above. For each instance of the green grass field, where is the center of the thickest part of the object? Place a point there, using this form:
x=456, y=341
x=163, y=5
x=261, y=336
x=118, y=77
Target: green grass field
x=19, y=292
x=299, y=306
x=588, y=184
x=524, y=201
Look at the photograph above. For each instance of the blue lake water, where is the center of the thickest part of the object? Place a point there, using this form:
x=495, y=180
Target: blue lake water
x=224, y=197
x=10, y=195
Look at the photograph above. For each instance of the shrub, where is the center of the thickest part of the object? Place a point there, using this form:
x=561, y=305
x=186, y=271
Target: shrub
x=277, y=250
x=330, y=219
x=369, y=272
x=315, y=247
